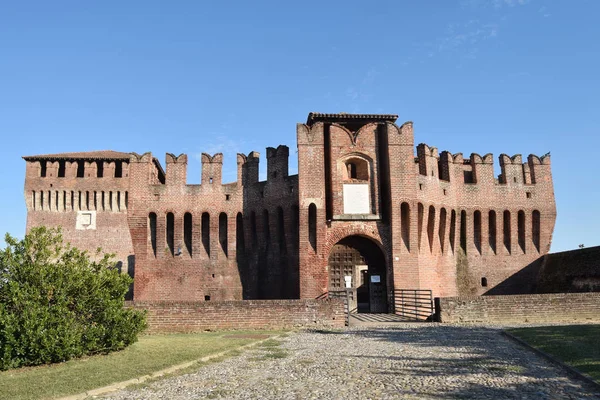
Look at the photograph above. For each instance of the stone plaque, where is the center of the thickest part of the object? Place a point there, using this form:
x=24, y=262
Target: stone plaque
x=356, y=199
x=85, y=220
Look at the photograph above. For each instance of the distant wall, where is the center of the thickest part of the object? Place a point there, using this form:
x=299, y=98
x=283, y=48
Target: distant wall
x=554, y=307
x=570, y=271
x=171, y=316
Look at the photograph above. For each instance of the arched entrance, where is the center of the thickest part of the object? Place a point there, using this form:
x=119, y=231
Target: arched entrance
x=361, y=261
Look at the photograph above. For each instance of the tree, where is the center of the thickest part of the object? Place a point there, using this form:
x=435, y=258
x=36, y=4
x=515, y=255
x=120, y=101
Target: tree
x=58, y=303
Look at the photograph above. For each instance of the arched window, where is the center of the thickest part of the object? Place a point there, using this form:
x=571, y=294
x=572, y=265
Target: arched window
x=152, y=231
x=442, y=228
x=535, y=229
x=281, y=231
x=170, y=233
x=405, y=224
x=312, y=226
x=452, y=237
x=477, y=230
x=463, y=230
x=223, y=232
x=253, y=228
x=521, y=230
x=506, y=230
x=357, y=168
x=492, y=230
x=420, y=212
x=266, y=228
x=187, y=232
x=206, y=232
x=240, y=242
x=430, y=226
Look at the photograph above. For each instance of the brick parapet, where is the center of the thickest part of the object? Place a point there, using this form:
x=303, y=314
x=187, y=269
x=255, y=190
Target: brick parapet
x=175, y=316
x=554, y=307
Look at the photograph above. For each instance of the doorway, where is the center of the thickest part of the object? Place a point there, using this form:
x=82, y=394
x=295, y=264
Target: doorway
x=360, y=261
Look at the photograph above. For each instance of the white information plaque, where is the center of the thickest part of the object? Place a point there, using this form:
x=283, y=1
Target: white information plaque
x=356, y=198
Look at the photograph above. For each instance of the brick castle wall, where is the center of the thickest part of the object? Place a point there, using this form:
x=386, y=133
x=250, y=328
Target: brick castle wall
x=441, y=221
x=554, y=307
x=171, y=316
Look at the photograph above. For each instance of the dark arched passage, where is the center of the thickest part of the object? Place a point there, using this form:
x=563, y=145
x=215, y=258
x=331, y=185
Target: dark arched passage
x=360, y=260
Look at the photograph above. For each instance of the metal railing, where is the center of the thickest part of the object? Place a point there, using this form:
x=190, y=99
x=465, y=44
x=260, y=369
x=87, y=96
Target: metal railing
x=414, y=304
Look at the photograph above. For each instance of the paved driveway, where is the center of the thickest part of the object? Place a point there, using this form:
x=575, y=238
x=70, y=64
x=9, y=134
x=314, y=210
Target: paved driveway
x=404, y=361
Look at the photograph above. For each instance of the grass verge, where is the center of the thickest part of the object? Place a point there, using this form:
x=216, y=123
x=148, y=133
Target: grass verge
x=150, y=354
x=575, y=345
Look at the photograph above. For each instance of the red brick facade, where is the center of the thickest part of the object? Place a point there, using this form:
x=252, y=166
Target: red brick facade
x=439, y=221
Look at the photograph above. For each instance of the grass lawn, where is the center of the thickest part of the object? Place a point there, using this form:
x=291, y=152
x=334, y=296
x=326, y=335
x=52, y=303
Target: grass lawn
x=150, y=354
x=575, y=345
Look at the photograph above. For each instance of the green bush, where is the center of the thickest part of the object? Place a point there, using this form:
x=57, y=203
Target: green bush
x=57, y=303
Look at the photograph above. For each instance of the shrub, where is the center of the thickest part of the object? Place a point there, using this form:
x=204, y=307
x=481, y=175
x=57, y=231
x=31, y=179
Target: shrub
x=57, y=302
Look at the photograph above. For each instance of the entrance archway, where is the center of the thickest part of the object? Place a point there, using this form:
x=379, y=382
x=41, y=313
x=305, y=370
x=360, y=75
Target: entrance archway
x=361, y=261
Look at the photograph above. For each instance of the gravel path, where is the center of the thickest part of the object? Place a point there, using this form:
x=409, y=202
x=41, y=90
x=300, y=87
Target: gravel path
x=406, y=361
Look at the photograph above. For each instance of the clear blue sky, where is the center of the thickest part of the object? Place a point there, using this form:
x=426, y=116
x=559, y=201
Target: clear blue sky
x=499, y=76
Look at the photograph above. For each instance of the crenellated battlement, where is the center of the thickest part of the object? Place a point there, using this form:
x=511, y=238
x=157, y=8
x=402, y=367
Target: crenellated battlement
x=478, y=169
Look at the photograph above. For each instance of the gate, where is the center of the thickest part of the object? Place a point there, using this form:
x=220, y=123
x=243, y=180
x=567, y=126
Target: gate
x=413, y=304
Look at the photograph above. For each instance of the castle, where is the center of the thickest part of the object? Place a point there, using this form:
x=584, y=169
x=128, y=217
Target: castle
x=362, y=211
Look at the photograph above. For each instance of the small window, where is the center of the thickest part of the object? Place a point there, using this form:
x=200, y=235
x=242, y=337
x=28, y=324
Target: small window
x=444, y=192
x=528, y=194
x=484, y=282
x=207, y=298
x=357, y=168
x=210, y=180
x=420, y=186
x=227, y=197
x=515, y=179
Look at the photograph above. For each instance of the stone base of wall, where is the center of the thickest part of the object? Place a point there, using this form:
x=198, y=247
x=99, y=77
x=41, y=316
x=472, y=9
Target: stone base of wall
x=554, y=307
x=171, y=316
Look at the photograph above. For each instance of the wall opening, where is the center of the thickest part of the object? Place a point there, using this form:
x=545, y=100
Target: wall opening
x=118, y=201
x=103, y=200
x=442, y=228
x=420, y=212
x=42, y=200
x=110, y=200
x=492, y=230
x=452, y=237
x=118, y=169
x=61, y=169
x=430, y=226
x=521, y=230
x=477, y=230
x=253, y=229
x=43, y=169
x=240, y=242
x=295, y=225
x=64, y=200
x=187, y=232
x=357, y=168
x=99, y=169
x=266, y=229
x=80, y=169
x=405, y=224
x=223, y=233
x=281, y=231
x=506, y=230
x=463, y=230
x=535, y=229
x=484, y=282
x=312, y=226
x=170, y=232
x=205, y=222
x=152, y=233
x=33, y=204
